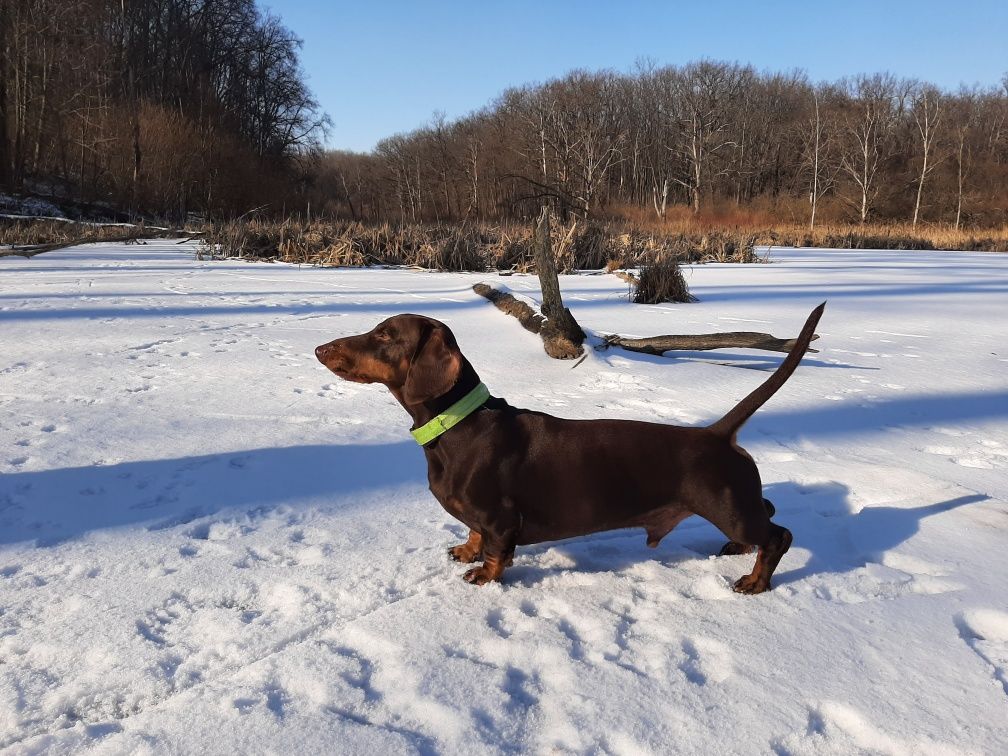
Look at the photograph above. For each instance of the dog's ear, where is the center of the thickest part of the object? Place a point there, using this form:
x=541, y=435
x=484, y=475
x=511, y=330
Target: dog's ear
x=435, y=367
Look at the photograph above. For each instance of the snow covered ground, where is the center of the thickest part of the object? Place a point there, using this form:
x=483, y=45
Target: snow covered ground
x=208, y=543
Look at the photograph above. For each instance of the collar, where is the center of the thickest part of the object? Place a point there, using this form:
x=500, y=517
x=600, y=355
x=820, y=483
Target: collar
x=452, y=416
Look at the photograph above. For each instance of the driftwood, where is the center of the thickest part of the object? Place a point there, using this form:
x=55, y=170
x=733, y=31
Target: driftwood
x=530, y=319
x=561, y=334
x=555, y=343
x=702, y=342
x=30, y=250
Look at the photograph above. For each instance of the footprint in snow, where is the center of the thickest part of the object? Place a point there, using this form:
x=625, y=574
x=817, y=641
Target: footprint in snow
x=707, y=661
x=986, y=632
x=838, y=728
x=978, y=458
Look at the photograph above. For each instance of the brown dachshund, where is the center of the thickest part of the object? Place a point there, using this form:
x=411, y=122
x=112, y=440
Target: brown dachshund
x=517, y=476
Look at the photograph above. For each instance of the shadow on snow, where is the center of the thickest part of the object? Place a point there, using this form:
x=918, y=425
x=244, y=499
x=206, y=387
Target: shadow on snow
x=52, y=506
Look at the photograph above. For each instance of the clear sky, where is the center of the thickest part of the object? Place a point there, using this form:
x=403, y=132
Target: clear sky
x=378, y=68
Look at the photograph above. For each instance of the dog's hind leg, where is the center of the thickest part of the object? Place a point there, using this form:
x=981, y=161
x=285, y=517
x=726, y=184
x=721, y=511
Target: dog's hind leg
x=734, y=548
x=769, y=556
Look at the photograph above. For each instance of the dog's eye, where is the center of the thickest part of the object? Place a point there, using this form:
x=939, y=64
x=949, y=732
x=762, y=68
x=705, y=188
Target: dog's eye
x=383, y=336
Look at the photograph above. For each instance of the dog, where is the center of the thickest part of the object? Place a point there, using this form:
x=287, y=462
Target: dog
x=517, y=476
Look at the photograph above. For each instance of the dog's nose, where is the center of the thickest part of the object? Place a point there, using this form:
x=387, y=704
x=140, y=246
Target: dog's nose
x=320, y=352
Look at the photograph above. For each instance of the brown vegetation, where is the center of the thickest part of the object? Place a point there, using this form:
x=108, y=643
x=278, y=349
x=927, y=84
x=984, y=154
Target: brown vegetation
x=475, y=246
x=18, y=234
x=609, y=244
x=661, y=281
x=581, y=246
x=161, y=107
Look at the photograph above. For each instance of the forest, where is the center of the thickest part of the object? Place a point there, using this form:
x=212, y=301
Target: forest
x=709, y=136
x=157, y=107
x=177, y=108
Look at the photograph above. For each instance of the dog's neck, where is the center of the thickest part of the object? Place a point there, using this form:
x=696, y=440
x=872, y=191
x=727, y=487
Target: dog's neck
x=425, y=411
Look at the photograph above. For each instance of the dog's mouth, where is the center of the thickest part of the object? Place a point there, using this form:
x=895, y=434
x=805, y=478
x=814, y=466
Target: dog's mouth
x=344, y=371
x=348, y=375
x=350, y=367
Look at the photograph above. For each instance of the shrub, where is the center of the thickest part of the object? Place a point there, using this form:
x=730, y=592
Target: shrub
x=662, y=281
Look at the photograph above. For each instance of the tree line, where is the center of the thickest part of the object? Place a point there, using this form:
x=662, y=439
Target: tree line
x=713, y=137
x=162, y=106
x=169, y=107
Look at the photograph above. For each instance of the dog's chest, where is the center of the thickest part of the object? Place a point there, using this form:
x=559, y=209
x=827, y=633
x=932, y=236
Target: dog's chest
x=448, y=492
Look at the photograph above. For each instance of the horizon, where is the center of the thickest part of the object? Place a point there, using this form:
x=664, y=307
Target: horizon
x=397, y=88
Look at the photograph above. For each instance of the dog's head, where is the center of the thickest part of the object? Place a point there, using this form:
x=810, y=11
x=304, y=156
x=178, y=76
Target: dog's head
x=415, y=356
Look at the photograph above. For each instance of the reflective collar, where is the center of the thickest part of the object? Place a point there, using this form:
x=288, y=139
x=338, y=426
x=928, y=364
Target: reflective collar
x=451, y=416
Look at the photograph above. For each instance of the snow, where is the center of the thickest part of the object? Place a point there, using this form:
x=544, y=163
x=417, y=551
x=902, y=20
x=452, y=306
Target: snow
x=208, y=543
x=29, y=207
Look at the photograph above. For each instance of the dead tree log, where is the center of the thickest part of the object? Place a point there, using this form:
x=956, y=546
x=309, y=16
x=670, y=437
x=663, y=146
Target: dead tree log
x=30, y=250
x=561, y=334
x=554, y=342
x=530, y=319
x=703, y=341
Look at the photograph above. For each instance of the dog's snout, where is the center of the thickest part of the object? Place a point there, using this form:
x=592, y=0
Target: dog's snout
x=326, y=353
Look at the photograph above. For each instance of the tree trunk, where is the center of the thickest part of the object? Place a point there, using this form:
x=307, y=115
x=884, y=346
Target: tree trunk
x=920, y=187
x=660, y=209
x=960, y=183
x=561, y=333
x=5, y=162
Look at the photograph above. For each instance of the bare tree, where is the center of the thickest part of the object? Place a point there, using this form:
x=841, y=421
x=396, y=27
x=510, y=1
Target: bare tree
x=964, y=116
x=926, y=109
x=707, y=94
x=818, y=156
x=868, y=125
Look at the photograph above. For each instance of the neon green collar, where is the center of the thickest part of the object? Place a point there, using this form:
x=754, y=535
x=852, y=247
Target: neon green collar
x=451, y=416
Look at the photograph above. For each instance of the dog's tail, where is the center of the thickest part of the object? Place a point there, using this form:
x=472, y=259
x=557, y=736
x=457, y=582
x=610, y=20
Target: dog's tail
x=730, y=423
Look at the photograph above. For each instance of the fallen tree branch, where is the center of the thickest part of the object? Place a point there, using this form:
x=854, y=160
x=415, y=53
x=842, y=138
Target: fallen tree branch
x=530, y=319
x=30, y=250
x=702, y=342
x=555, y=342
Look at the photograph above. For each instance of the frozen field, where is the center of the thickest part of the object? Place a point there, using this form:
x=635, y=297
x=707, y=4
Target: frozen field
x=210, y=544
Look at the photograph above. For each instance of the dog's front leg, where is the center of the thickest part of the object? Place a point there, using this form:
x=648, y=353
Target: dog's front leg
x=469, y=551
x=499, y=535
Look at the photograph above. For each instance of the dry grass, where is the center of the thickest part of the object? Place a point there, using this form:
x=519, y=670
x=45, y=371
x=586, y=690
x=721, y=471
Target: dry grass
x=580, y=245
x=766, y=230
x=661, y=281
x=474, y=247
x=22, y=232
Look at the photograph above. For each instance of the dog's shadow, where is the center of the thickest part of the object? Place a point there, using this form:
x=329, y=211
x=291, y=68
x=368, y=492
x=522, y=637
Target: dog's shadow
x=838, y=537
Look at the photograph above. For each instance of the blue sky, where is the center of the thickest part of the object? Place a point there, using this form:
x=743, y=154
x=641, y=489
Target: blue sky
x=380, y=68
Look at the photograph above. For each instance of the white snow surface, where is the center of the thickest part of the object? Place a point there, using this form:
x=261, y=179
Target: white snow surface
x=210, y=544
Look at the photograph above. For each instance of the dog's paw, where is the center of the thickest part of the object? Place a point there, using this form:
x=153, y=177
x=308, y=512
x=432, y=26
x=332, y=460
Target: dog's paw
x=480, y=576
x=750, y=584
x=463, y=553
